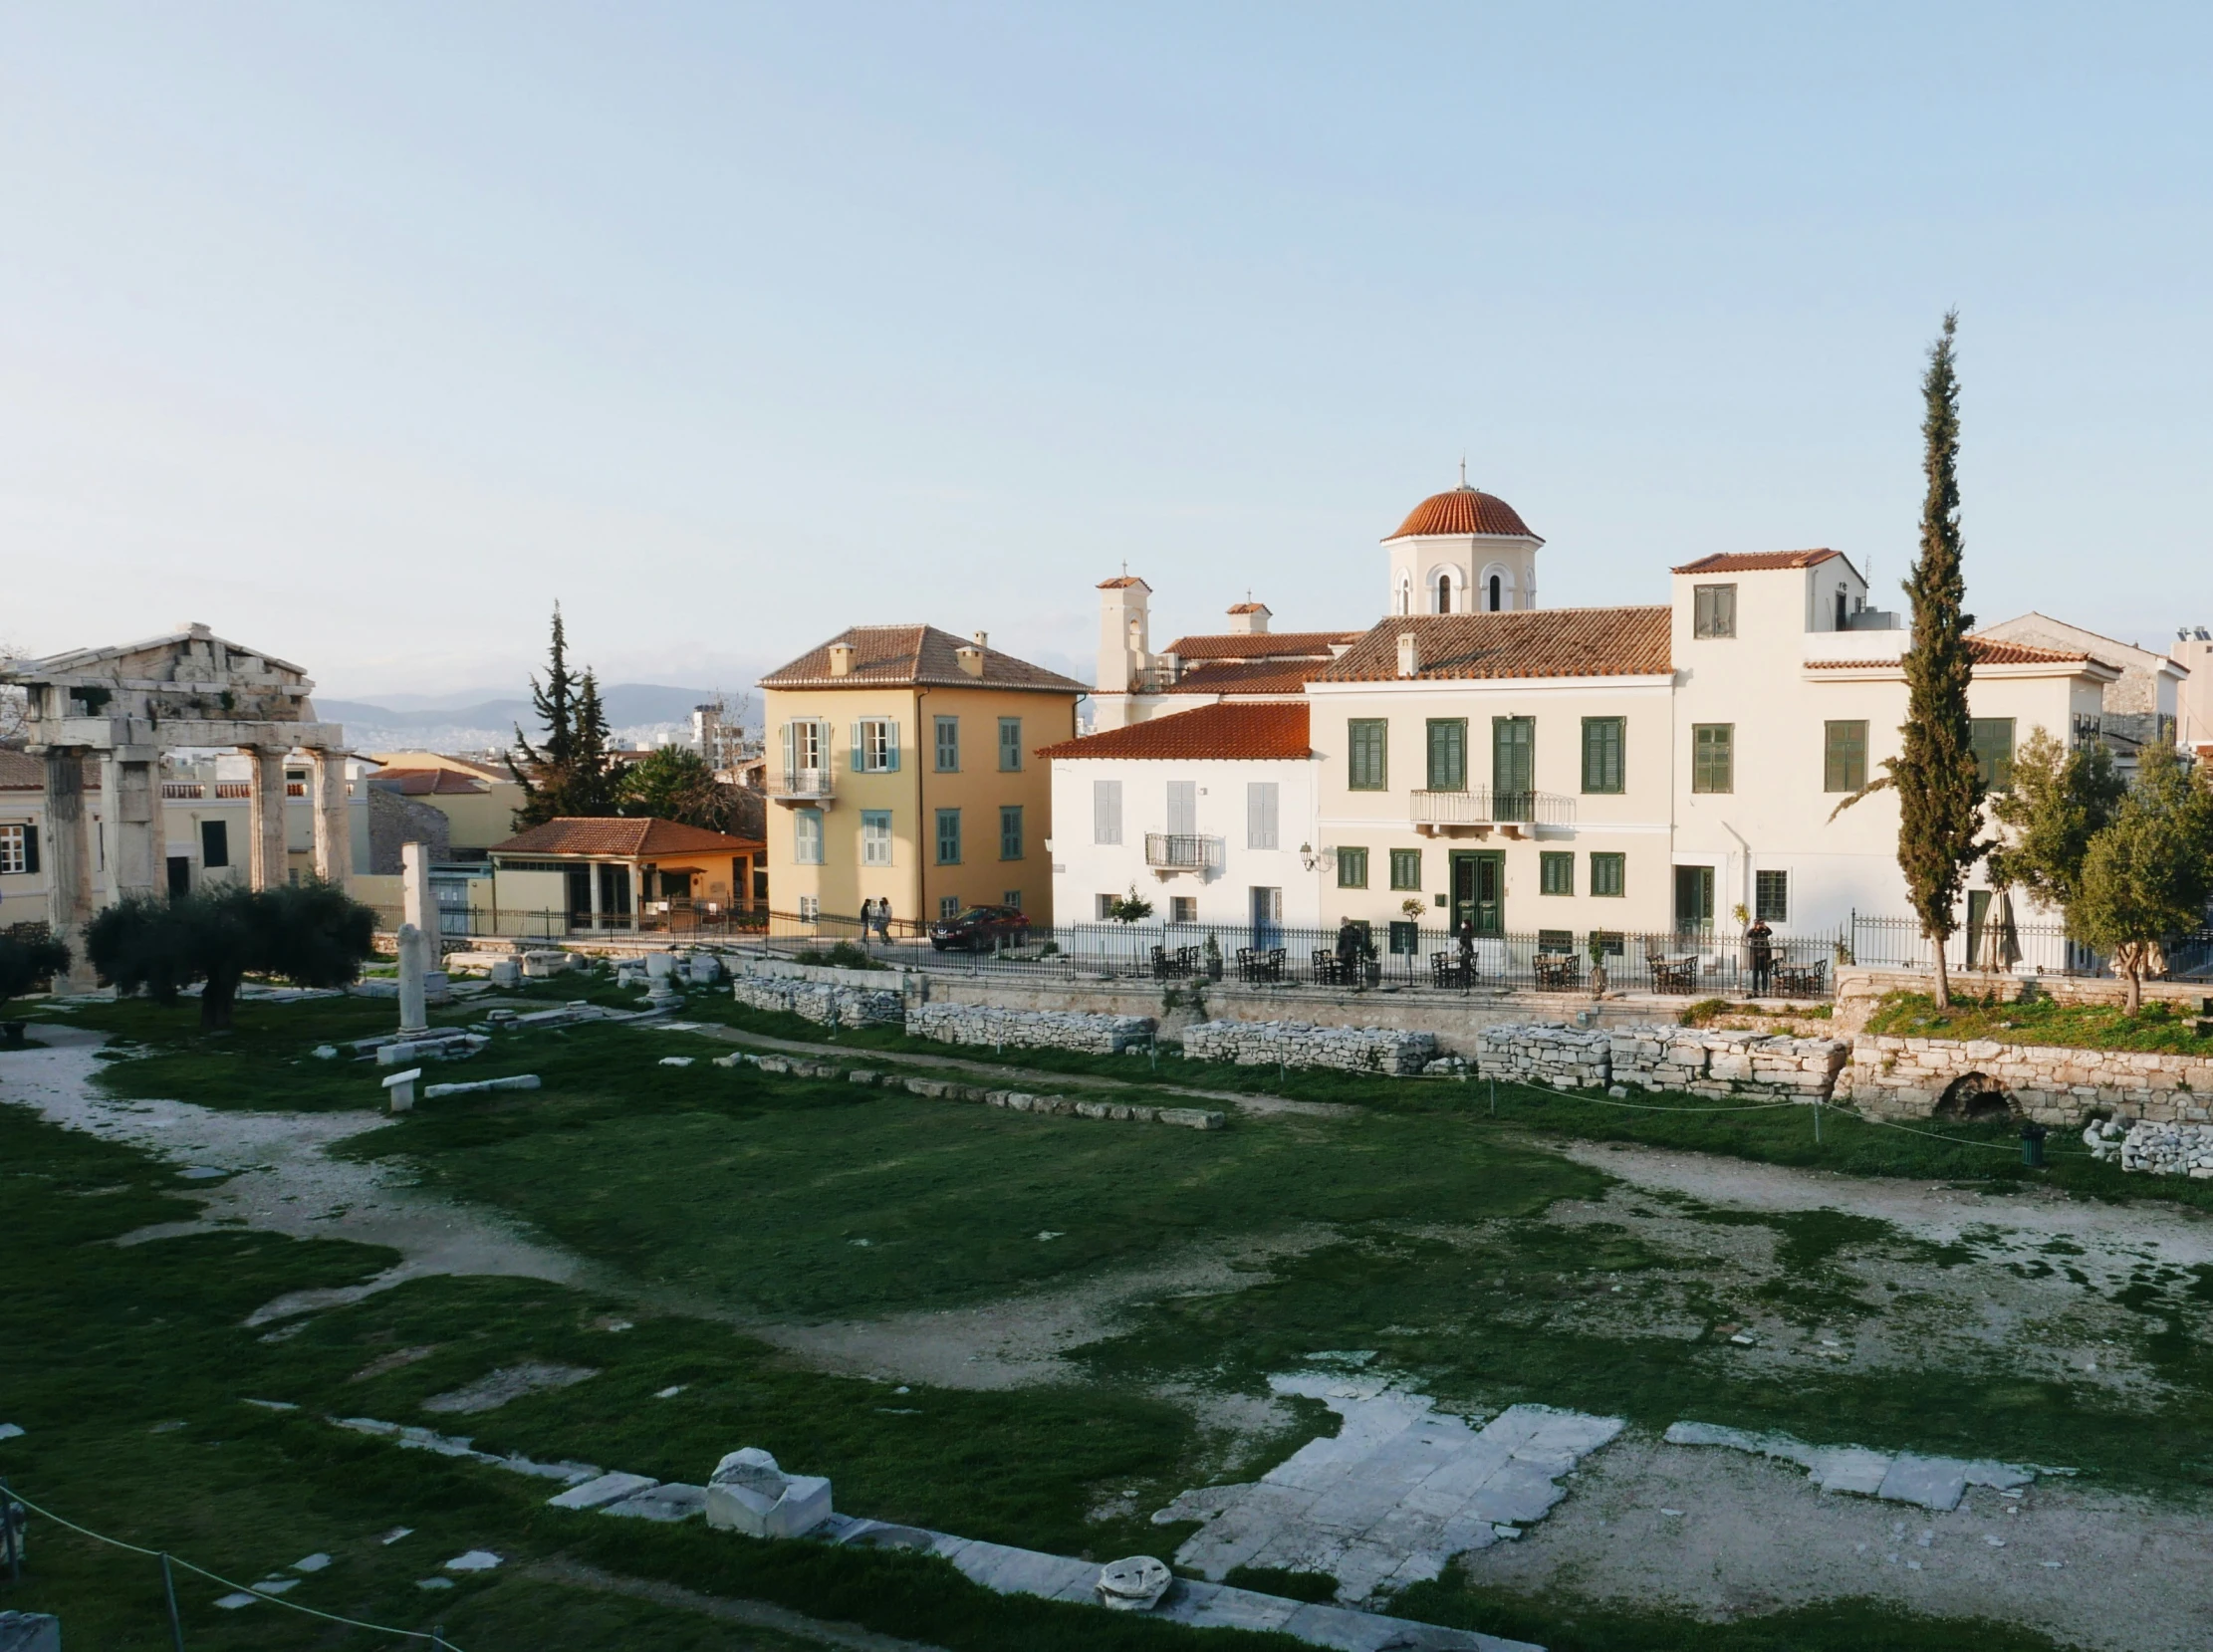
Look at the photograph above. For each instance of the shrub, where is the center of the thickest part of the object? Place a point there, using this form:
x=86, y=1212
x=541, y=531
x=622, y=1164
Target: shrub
x=313, y=934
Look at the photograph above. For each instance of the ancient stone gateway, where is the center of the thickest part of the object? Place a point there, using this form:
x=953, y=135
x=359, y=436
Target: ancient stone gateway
x=127, y=705
x=1975, y=1096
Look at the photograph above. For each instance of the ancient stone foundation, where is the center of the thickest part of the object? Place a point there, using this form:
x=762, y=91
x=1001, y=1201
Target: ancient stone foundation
x=1302, y=1043
x=831, y=1006
x=1678, y=1059
x=1949, y=1078
x=985, y=1024
x=2158, y=1149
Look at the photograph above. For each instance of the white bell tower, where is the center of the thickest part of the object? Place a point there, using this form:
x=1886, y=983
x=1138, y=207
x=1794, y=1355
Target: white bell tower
x=1463, y=551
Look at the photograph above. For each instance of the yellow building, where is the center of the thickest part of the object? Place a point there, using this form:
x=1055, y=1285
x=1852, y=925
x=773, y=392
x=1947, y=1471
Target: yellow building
x=478, y=799
x=903, y=765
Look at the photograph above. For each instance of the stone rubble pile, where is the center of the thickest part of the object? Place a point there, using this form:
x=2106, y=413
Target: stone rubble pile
x=2159, y=1149
x=1095, y=1034
x=821, y=1002
x=1302, y=1044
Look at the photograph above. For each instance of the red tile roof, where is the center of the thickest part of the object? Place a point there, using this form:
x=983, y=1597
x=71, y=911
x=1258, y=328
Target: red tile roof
x=1224, y=731
x=1123, y=584
x=1527, y=643
x=1248, y=676
x=1249, y=607
x=20, y=772
x=1463, y=510
x=1756, y=562
x=904, y=656
x=622, y=838
x=419, y=783
x=1259, y=645
x=1988, y=651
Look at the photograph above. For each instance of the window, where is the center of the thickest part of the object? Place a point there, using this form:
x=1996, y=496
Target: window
x=948, y=744
x=806, y=836
x=1712, y=757
x=1183, y=808
x=1611, y=943
x=214, y=844
x=1559, y=942
x=805, y=753
x=948, y=837
x=1771, y=896
x=1844, y=757
x=1513, y=760
x=810, y=907
x=1010, y=744
x=19, y=848
x=875, y=837
x=1011, y=897
x=1106, y=810
x=1260, y=813
x=1555, y=873
x=1102, y=907
x=1010, y=831
x=1351, y=868
x=875, y=746
x=1448, y=754
x=1367, y=754
x=1609, y=874
x=1498, y=592
x=1603, y=739
x=1714, y=611
x=948, y=908
x=1992, y=741
x=1405, y=868
x=1183, y=909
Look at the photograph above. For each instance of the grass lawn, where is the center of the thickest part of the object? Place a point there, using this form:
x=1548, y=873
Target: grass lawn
x=2161, y=1027
x=748, y=1195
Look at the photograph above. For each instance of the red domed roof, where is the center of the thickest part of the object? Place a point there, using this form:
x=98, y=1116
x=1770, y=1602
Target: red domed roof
x=1463, y=510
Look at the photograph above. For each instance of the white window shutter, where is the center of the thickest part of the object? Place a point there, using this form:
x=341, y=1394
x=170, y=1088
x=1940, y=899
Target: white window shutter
x=1106, y=810
x=791, y=740
x=1260, y=814
x=891, y=745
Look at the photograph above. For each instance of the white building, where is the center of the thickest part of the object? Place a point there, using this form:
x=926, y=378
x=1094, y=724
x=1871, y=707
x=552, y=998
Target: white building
x=1555, y=773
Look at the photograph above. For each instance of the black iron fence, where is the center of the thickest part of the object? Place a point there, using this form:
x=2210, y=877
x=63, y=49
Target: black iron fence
x=1981, y=946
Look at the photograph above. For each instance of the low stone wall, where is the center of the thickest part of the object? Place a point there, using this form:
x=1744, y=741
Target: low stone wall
x=821, y=1001
x=1545, y=1053
x=1096, y=1035
x=1680, y=1058
x=1914, y=1077
x=1302, y=1044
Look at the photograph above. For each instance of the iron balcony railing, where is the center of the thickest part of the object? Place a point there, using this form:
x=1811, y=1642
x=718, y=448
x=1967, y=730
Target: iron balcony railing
x=1182, y=851
x=1481, y=807
x=805, y=785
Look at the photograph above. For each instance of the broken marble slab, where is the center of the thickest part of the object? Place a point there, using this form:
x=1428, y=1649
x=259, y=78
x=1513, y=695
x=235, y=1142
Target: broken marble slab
x=458, y=1445
x=748, y=1492
x=509, y=1382
x=608, y=1487
x=1395, y=1496
x=1935, y=1482
x=670, y=1501
x=519, y=1080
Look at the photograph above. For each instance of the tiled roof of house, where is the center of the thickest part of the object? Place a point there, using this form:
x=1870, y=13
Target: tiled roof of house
x=901, y=657
x=20, y=772
x=622, y=838
x=1463, y=510
x=1265, y=730
x=1527, y=643
x=1121, y=583
x=1987, y=650
x=1756, y=562
x=1258, y=644
x=419, y=783
x=1248, y=676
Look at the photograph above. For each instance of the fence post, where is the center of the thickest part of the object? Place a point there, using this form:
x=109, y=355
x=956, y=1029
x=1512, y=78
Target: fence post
x=168, y=1591
x=10, y=1533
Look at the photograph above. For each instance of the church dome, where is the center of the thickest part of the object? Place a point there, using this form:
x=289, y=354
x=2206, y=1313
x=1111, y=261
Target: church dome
x=1464, y=510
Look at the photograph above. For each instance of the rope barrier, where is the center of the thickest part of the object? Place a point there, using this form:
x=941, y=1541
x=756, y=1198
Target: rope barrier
x=434, y=1637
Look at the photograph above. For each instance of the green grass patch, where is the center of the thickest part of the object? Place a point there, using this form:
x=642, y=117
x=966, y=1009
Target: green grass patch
x=2161, y=1028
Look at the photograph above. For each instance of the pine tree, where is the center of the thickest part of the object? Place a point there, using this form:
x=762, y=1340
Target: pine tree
x=594, y=787
x=568, y=774
x=1940, y=791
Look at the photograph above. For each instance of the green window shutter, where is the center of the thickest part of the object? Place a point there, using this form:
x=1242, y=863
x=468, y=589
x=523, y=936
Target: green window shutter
x=30, y=848
x=1448, y=754
x=1604, y=739
x=891, y=745
x=1010, y=831
x=1555, y=873
x=1010, y=744
x=948, y=837
x=1844, y=757
x=1367, y=746
x=1405, y=868
x=1513, y=756
x=1712, y=757
x=1351, y=868
x=1608, y=874
x=1991, y=739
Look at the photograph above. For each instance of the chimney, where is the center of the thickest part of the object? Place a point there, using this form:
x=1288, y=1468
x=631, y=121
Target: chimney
x=840, y=659
x=982, y=641
x=1249, y=619
x=1171, y=667
x=1409, y=654
x=971, y=657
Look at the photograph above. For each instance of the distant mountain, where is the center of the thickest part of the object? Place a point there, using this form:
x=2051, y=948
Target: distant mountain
x=638, y=713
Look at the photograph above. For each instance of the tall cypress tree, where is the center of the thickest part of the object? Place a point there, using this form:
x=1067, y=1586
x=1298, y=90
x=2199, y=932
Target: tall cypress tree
x=567, y=773
x=1940, y=791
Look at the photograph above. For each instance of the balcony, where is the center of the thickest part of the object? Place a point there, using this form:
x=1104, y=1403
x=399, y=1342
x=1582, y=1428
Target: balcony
x=1479, y=810
x=1171, y=852
x=803, y=786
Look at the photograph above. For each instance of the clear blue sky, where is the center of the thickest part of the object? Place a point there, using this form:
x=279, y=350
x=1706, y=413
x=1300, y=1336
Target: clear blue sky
x=363, y=332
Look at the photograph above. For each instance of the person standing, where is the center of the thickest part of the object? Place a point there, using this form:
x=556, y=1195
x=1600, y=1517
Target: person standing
x=1759, y=948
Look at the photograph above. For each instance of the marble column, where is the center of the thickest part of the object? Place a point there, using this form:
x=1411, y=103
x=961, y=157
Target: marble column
x=420, y=912
x=334, y=820
x=69, y=867
x=265, y=816
x=137, y=839
x=414, y=950
x=591, y=872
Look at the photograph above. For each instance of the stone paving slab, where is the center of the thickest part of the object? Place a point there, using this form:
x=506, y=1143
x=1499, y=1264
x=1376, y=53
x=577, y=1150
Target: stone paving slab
x=671, y=1503
x=1934, y=1483
x=609, y=1488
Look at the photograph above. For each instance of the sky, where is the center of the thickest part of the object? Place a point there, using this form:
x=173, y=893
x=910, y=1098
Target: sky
x=365, y=333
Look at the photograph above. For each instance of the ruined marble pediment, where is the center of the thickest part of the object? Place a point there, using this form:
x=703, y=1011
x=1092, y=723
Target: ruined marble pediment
x=189, y=677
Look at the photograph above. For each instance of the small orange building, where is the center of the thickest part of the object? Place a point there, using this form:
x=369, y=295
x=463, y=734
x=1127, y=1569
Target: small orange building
x=618, y=873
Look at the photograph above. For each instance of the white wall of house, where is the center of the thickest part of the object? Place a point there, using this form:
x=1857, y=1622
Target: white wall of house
x=1223, y=815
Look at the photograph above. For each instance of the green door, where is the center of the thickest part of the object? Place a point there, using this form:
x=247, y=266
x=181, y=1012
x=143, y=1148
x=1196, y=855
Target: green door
x=1695, y=899
x=1479, y=891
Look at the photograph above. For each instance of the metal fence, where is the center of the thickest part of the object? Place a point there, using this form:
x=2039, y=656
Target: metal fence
x=2041, y=949
x=732, y=924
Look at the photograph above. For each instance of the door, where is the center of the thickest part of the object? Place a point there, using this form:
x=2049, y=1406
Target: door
x=580, y=898
x=1479, y=891
x=1183, y=808
x=180, y=874
x=1695, y=899
x=1267, y=917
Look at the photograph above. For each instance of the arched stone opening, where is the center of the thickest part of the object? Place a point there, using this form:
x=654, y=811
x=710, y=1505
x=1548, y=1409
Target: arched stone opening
x=1976, y=1097
x=1498, y=592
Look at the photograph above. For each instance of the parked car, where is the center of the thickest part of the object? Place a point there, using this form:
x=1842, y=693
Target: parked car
x=980, y=928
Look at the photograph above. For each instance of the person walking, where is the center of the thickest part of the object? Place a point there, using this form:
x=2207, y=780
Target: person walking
x=1759, y=950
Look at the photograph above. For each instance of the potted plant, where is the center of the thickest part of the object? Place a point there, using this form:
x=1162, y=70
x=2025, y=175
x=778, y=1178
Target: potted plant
x=1213, y=957
x=1598, y=963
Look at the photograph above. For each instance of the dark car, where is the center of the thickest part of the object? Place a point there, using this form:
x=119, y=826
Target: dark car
x=980, y=928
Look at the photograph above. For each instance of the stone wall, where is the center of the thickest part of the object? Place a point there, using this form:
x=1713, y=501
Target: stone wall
x=1302, y=1044
x=1913, y=1077
x=2159, y=1149
x=821, y=1001
x=1687, y=1060
x=1544, y=1053
x=1099, y=1035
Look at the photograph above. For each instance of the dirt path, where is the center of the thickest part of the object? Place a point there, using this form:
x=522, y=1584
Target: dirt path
x=1258, y=1105
x=754, y=1614
x=281, y=1179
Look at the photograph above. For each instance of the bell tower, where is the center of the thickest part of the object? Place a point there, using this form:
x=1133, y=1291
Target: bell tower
x=1463, y=551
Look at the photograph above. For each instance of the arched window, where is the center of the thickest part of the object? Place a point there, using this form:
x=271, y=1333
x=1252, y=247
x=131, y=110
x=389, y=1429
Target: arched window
x=1405, y=595
x=1443, y=591
x=1498, y=594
